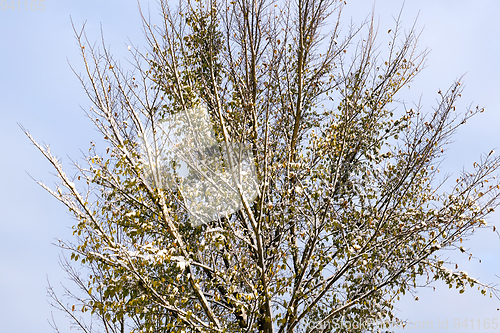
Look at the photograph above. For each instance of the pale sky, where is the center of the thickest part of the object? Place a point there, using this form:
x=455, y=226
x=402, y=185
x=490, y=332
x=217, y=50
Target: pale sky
x=39, y=91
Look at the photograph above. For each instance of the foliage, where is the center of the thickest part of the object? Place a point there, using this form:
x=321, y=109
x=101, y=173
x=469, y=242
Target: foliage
x=346, y=212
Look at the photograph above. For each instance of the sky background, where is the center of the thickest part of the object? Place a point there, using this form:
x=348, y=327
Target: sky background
x=39, y=90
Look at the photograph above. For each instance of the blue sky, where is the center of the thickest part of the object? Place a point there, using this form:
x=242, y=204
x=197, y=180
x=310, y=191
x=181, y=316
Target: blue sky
x=39, y=90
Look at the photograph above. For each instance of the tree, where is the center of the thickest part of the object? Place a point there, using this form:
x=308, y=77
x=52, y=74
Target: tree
x=262, y=175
